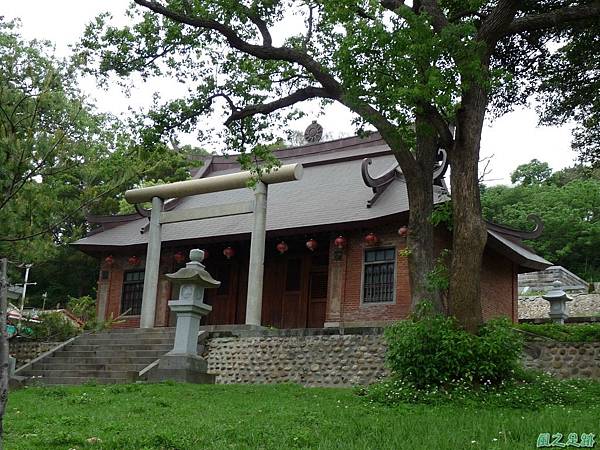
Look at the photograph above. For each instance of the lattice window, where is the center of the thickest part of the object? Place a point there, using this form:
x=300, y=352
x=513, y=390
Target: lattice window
x=133, y=287
x=379, y=275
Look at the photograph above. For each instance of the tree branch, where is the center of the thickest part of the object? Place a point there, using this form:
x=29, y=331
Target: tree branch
x=553, y=18
x=496, y=23
x=269, y=53
x=267, y=108
x=438, y=18
x=441, y=126
x=261, y=25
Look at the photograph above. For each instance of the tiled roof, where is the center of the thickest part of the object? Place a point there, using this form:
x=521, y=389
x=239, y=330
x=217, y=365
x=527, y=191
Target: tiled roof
x=331, y=192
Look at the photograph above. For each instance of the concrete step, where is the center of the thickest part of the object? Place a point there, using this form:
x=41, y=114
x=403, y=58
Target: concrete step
x=103, y=353
x=116, y=359
x=117, y=347
x=102, y=340
x=119, y=367
x=139, y=331
x=120, y=374
x=68, y=381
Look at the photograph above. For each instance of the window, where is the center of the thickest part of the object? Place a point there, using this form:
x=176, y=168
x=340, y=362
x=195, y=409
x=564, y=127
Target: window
x=379, y=275
x=133, y=286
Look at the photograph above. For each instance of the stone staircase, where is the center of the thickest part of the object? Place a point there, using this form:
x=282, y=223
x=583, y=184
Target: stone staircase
x=114, y=356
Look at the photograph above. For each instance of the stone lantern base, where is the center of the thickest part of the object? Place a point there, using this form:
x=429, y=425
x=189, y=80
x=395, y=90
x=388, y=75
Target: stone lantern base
x=181, y=368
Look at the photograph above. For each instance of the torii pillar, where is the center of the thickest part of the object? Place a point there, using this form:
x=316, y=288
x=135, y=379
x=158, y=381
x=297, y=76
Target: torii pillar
x=157, y=195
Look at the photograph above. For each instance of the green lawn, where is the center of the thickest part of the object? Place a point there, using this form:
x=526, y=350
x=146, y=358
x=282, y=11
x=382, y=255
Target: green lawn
x=178, y=416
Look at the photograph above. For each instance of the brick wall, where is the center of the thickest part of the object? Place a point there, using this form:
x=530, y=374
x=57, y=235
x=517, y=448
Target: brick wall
x=498, y=281
x=352, y=310
x=498, y=286
x=114, y=287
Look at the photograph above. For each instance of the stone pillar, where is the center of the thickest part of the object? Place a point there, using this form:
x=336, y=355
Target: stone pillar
x=257, y=257
x=152, y=266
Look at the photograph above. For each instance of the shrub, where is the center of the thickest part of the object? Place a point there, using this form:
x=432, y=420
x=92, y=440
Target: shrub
x=54, y=326
x=433, y=350
x=83, y=307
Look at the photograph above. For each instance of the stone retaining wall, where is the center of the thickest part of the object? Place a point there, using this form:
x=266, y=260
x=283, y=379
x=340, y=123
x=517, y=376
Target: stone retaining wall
x=25, y=351
x=352, y=359
x=583, y=305
x=564, y=359
x=335, y=360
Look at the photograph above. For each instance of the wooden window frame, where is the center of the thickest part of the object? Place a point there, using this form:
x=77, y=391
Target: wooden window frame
x=129, y=283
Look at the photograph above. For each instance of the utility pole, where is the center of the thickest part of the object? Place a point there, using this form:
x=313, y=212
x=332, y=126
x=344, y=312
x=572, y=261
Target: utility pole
x=4, y=352
x=25, y=284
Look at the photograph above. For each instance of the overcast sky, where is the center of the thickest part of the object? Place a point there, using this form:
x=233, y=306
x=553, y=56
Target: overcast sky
x=512, y=140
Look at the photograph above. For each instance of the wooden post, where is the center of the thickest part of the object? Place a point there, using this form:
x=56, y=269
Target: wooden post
x=152, y=266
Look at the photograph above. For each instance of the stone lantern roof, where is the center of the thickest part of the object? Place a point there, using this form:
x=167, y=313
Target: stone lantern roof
x=194, y=272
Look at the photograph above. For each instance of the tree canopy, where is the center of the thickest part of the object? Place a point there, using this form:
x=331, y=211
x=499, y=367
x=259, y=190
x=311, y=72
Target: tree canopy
x=59, y=160
x=570, y=210
x=533, y=172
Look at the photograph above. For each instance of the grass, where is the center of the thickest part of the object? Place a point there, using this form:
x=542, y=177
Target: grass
x=181, y=416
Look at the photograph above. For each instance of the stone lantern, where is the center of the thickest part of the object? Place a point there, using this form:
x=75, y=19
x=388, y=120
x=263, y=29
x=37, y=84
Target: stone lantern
x=558, y=303
x=183, y=363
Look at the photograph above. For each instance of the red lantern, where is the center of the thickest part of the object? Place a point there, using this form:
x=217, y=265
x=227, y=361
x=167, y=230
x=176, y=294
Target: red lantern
x=371, y=239
x=229, y=252
x=109, y=260
x=403, y=231
x=282, y=247
x=312, y=245
x=205, y=255
x=134, y=260
x=340, y=242
x=179, y=257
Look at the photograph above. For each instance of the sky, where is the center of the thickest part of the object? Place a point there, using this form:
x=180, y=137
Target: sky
x=508, y=141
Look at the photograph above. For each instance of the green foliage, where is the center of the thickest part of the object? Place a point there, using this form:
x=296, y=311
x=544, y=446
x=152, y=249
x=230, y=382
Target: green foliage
x=60, y=159
x=571, y=216
x=54, y=326
x=83, y=307
x=534, y=172
x=432, y=350
x=442, y=215
x=589, y=332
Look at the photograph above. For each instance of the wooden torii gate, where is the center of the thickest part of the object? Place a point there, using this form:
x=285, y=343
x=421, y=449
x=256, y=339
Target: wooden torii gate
x=158, y=194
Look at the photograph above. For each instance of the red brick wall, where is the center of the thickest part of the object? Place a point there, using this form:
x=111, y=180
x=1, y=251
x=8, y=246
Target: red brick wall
x=353, y=312
x=498, y=281
x=115, y=288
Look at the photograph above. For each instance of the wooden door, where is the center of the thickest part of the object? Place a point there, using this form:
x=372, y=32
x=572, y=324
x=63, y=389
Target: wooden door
x=317, y=298
x=292, y=309
x=224, y=299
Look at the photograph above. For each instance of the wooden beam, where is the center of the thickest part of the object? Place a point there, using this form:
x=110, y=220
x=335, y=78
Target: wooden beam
x=207, y=212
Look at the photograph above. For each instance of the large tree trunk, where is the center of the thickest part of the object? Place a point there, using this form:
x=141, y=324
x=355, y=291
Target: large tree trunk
x=420, y=240
x=469, y=229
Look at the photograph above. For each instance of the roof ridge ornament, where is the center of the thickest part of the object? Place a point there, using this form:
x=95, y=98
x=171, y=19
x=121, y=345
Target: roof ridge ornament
x=381, y=183
x=529, y=235
x=313, y=133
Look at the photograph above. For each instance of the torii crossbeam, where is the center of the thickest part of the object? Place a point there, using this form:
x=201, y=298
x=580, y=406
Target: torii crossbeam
x=158, y=194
